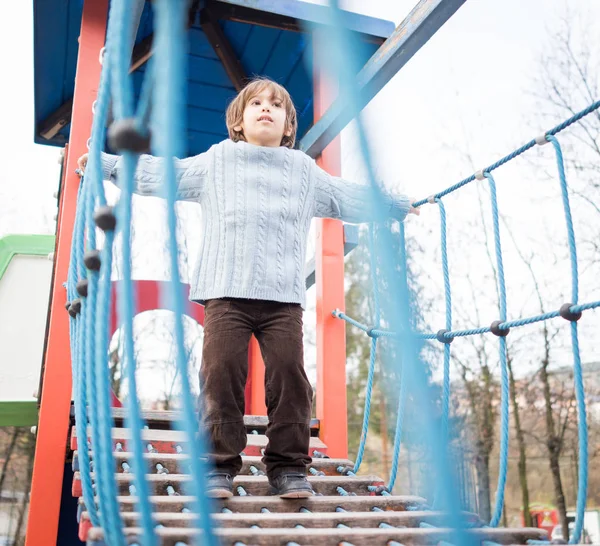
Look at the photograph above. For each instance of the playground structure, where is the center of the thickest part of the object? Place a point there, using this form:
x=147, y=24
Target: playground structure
x=226, y=37
x=25, y=274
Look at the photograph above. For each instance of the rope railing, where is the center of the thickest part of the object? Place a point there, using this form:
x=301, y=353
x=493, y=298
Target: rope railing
x=570, y=311
x=89, y=284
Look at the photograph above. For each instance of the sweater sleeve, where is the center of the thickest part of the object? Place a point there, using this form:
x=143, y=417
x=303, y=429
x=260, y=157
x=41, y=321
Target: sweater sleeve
x=190, y=175
x=351, y=202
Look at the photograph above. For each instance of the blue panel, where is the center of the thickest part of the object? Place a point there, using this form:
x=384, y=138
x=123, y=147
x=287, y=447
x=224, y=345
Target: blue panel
x=285, y=56
x=305, y=11
x=50, y=40
x=208, y=96
x=71, y=50
x=200, y=142
x=146, y=26
x=199, y=45
x=300, y=85
x=237, y=34
x=258, y=49
x=206, y=121
x=203, y=70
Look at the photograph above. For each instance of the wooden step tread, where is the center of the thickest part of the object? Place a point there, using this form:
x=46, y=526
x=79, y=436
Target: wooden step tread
x=174, y=461
x=276, y=504
x=332, y=537
x=309, y=520
x=157, y=419
x=167, y=441
x=253, y=485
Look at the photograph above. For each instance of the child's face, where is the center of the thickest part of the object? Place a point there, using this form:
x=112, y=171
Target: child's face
x=264, y=121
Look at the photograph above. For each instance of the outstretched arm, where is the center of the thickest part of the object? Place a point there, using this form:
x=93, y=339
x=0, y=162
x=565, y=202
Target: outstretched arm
x=353, y=203
x=149, y=174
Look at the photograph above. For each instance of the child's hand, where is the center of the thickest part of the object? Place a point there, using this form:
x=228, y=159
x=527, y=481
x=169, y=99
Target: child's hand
x=413, y=210
x=82, y=163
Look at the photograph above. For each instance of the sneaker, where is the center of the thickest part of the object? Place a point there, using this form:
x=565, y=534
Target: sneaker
x=292, y=485
x=219, y=486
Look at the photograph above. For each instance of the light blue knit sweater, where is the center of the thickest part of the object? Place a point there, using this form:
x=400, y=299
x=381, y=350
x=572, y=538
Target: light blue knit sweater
x=257, y=204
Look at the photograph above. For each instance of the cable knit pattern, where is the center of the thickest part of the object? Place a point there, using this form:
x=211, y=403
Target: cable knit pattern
x=285, y=196
x=262, y=215
x=299, y=237
x=220, y=206
x=239, y=212
x=257, y=206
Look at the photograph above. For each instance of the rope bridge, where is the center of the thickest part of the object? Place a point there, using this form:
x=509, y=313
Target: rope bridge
x=89, y=288
x=571, y=311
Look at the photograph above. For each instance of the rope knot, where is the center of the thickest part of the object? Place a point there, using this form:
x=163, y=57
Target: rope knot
x=378, y=489
x=566, y=313
x=105, y=218
x=497, y=331
x=443, y=338
x=124, y=135
x=82, y=288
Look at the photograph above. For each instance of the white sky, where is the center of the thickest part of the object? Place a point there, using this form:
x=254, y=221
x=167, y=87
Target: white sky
x=470, y=90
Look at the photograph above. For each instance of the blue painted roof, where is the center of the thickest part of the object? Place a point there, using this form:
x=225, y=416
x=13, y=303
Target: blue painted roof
x=283, y=55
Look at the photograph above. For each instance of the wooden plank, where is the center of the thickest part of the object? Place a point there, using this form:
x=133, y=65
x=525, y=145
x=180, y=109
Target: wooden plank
x=169, y=441
x=317, y=520
x=294, y=15
x=426, y=18
x=275, y=504
x=165, y=419
x=219, y=42
x=332, y=537
x=175, y=462
x=253, y=485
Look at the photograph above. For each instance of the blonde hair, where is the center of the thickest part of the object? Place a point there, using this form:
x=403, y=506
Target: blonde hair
x=235, y=111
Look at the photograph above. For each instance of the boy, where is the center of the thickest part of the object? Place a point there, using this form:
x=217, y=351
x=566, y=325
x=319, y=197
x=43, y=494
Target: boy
x=258, y=196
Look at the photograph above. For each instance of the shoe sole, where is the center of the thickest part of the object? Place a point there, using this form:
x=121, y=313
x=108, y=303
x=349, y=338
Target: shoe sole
x=296, y=495
x=219, y=493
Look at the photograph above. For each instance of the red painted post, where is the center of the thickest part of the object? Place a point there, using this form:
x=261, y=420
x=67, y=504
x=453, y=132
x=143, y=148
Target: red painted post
x=52, y=430
x=255, y=388
x=329, y=260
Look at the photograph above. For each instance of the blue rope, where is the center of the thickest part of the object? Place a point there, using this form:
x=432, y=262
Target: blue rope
x=104, y=463
x=403, y=364
x=78, y=355
x=470, y=332
x=98, y=302
x=373, y=353
x=448, y=326
x=122, y=92
x=577, y=370
x=516, y=153
x=170, y=115
x=504, y=398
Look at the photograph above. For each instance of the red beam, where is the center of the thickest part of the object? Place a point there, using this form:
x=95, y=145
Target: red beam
x=53, y=421
x=255, y=386
x=329, y=270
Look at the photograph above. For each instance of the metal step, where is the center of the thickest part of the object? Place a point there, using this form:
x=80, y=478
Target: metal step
x=176, y=462
x=159, y=484
x=291, y=519
x=331, y=537
x=344, y=511
x=275, y=504
x=166, y=419
x=173, y=441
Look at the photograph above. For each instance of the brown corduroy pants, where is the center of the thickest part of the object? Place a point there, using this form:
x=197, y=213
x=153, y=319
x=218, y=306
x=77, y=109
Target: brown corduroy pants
x=228, y=326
